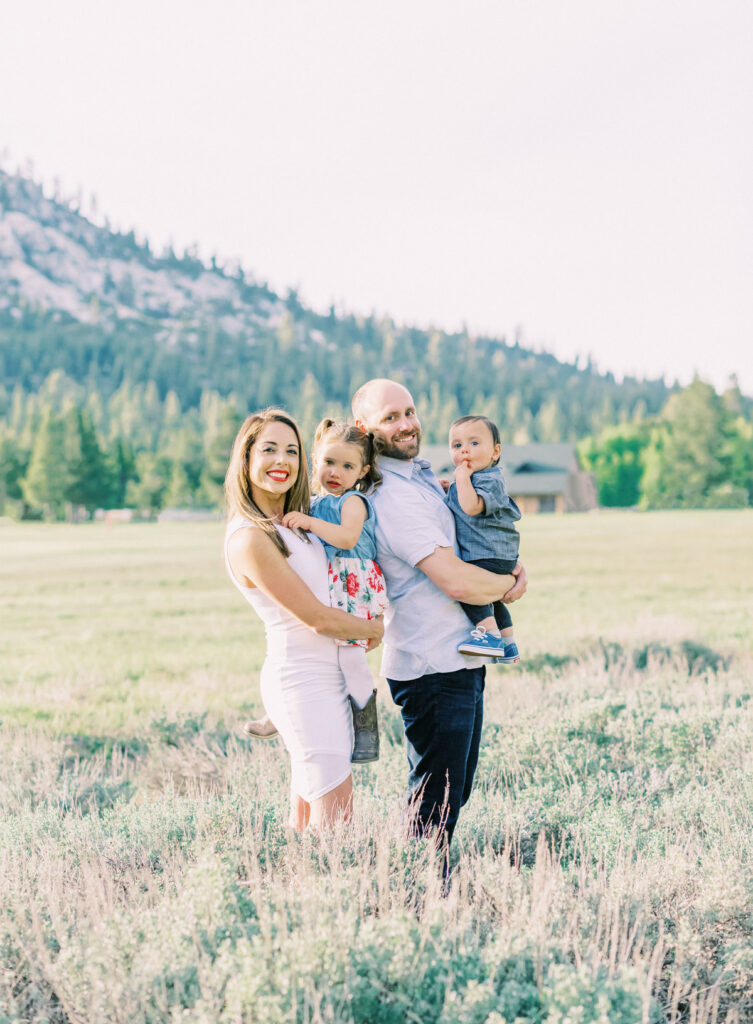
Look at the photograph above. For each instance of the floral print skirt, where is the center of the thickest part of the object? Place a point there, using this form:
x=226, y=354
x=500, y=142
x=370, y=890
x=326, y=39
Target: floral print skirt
x=356, y=586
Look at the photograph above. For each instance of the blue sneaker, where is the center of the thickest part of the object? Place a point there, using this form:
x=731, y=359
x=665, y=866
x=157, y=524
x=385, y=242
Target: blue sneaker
x=509, y=656
x=483, y=644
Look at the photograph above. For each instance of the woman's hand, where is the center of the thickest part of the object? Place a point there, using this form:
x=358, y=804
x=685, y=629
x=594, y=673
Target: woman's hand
x=375, y=641
x=297, y=521
x=378, y=632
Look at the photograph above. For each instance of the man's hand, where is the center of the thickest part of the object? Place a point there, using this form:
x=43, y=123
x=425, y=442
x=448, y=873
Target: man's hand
x=521, y=585
x=444, y=483
x=297, y=521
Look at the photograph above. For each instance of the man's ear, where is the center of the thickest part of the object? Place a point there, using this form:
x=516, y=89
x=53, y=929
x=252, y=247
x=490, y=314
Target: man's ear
x=361, y=426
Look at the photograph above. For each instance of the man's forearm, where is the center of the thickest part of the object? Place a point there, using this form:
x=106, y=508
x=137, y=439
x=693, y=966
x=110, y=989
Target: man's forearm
x=465, y=582
x=479, y=586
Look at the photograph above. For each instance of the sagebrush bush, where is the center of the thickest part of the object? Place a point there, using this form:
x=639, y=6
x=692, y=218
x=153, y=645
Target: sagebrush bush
x=602, y=870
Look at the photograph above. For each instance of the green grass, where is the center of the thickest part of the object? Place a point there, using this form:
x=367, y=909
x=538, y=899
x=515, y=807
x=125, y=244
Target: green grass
x=604, y=864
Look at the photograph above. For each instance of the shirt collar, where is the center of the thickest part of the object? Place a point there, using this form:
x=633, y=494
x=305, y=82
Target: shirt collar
x=403, y=467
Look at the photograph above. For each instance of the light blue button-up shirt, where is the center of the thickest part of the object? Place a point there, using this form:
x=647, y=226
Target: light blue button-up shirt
x=423, y=626
x=493, y=533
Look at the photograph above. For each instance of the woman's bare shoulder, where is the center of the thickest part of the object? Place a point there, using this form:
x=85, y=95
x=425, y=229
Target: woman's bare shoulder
x=252, y=539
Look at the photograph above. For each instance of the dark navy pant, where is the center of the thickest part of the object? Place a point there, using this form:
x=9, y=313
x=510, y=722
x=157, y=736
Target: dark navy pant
x=442, y=716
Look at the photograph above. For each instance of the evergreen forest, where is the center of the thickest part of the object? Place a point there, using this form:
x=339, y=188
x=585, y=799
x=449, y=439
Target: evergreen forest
x=93, y=418
x=132, y=394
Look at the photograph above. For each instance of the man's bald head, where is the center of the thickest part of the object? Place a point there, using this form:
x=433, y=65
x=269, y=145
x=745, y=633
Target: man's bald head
x=374, y=394
x=387, y=409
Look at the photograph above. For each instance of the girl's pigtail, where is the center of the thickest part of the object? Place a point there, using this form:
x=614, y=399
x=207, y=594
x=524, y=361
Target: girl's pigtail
x=373, y=477
x=322, y=429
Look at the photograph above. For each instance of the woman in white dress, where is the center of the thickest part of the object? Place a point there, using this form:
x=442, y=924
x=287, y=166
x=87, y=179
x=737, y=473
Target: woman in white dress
x=283, y=574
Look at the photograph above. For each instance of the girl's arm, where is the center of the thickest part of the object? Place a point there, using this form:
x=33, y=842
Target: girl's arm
x=256, y=562
x=469, y=500
x=344, y=534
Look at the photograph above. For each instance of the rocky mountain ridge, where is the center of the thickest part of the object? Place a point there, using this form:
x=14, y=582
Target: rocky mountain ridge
x=54, y=258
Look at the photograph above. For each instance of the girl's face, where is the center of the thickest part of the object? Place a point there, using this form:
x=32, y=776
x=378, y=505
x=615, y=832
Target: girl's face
x=338, y=467
x=275, y=459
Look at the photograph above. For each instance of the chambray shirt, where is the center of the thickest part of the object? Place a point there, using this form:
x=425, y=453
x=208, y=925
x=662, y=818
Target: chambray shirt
x=329, y=508
x=492, y=534
x=423, y=626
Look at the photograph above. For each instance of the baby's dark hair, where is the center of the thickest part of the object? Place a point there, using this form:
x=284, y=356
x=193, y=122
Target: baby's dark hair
x=490, y=425
x=348, y=433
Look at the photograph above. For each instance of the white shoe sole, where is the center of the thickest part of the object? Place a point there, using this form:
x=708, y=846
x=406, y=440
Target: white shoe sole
x=480, y=652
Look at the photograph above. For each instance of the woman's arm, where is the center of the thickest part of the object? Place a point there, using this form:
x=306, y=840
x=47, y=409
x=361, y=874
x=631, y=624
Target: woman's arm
x=344, y=534
x=256, y=562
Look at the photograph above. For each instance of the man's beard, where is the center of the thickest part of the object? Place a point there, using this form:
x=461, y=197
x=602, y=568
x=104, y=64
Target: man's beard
x=404, y=452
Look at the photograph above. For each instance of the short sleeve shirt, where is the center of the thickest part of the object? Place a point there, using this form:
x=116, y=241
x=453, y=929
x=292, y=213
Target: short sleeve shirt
x=492, y=533
x=423, y=626
x=328, y=507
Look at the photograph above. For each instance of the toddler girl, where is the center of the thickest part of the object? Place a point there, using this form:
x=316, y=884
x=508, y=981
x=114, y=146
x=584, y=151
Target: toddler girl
x=485, y=517
x=343, y=518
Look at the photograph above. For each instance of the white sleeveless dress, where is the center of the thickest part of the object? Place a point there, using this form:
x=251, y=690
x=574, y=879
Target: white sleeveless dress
x=302, y=685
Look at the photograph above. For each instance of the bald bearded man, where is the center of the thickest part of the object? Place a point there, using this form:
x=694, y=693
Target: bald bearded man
x=439, y=691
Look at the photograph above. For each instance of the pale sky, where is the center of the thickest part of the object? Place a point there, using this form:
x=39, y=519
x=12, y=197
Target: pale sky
x=578, y=172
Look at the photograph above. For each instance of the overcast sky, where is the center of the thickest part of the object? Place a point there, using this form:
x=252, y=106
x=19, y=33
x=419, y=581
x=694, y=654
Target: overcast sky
x=577, y=172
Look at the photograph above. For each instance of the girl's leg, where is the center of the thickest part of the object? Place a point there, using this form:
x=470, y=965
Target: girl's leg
x=337, y=805
x=359, y=681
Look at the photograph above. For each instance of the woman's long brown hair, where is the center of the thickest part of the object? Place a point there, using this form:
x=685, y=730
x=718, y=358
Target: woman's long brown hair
x=239, y=497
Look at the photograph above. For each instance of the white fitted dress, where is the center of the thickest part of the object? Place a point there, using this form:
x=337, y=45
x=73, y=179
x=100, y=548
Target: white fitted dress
x=302, y=685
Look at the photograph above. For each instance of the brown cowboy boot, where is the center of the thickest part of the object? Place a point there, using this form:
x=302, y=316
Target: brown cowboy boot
x=365, y=731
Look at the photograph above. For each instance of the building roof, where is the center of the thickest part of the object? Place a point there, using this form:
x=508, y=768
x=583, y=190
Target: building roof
x=528, y=468
x=536, y=483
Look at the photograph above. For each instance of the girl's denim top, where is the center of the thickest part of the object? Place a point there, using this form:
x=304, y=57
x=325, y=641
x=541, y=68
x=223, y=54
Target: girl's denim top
x=328, y=507
x=492, y=534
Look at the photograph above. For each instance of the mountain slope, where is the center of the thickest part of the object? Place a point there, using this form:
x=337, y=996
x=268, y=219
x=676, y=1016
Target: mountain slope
x=54, y=258
x=105, y=310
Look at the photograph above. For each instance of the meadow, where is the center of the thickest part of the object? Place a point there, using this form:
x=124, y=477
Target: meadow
x=603, y=867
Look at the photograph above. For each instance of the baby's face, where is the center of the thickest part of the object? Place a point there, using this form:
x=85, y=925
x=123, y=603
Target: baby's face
x=472, y=443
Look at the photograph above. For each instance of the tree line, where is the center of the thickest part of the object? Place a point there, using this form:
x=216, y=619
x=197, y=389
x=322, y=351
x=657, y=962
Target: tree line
x=697, y=453
x=129, y=413
x=65, y=450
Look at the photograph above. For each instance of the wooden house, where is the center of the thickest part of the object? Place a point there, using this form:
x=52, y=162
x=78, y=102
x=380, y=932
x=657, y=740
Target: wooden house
x=540, y=477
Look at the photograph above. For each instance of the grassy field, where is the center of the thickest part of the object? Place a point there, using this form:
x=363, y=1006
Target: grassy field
x=604, y=863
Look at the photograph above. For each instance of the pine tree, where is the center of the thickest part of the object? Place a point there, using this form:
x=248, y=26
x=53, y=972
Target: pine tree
x=179, y=492
x=11, y=470
x=148, y=490
x=90, y=477
x=46, y=482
